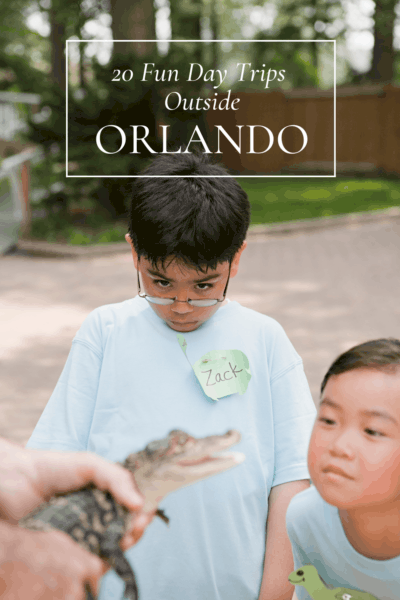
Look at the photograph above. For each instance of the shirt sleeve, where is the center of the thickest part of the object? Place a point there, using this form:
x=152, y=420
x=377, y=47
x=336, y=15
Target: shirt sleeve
x=293, y=412
x=66, y=420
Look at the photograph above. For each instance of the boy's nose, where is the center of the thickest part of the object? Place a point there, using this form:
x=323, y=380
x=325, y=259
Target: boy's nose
x=343, y=445
x=181, y=306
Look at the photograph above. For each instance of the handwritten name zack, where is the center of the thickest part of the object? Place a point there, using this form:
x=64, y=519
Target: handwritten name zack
x=219, y=377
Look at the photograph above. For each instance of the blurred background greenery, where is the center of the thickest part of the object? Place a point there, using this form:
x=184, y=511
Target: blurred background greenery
x=32, y=60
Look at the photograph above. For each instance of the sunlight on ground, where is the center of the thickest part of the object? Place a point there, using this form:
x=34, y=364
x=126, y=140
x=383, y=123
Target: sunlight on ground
x=21, y=323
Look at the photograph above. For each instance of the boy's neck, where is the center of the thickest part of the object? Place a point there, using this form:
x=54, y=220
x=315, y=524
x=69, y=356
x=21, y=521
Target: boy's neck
x=373, y=532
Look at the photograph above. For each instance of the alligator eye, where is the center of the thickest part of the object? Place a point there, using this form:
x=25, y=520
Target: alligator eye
x=300, y=572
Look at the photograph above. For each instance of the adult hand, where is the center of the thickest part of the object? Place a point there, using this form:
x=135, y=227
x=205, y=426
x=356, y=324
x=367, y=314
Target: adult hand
x=45, y=566
x=30, y=477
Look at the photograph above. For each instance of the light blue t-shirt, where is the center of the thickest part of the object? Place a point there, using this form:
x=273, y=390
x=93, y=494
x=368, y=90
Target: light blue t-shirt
x=318, y=538
x=127, y=382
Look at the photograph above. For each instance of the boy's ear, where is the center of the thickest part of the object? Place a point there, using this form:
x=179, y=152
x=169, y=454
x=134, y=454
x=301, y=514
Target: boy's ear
x=134, y=255
x=236, y=259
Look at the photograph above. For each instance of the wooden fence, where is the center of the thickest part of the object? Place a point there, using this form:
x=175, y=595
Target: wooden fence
x=367, y=130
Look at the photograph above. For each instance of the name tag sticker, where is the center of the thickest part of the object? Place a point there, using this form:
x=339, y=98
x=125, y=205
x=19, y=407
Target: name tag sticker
x=223, y=372
x=220, y=372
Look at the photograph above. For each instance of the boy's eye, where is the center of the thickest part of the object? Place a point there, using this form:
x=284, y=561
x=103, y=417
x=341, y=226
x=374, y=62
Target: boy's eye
x=327, y=421
x=204, y=286
x=373, y=432
x=161, y=283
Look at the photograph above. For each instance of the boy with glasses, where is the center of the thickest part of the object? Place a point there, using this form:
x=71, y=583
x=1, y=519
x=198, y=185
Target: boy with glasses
x=135, y=372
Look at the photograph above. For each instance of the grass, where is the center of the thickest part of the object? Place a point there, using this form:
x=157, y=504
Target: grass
x=274, y=201
x=59, y=228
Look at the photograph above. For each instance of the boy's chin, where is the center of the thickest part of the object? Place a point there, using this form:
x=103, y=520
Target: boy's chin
x=338, y=497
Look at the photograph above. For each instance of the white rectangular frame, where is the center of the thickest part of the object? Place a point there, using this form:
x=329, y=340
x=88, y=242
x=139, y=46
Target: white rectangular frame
x=193, y=176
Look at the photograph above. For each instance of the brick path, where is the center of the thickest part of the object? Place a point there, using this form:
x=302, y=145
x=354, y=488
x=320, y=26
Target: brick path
x=330, y=289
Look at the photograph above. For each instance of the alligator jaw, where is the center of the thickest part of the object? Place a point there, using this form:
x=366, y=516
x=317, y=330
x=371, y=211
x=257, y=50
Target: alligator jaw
x=211, y=463
x=184, y=464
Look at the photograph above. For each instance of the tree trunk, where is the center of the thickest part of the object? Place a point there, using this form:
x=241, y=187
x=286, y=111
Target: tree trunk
x=383, y=55
x=25, y=228
x=185, y=25
x=81, y=50
x=185, y=19
x=214, y=26
x=57, y=40
x=133, y=21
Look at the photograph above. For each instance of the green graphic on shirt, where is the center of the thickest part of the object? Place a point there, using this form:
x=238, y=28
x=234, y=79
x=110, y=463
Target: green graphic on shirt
x=308, y=577
x=220, y=372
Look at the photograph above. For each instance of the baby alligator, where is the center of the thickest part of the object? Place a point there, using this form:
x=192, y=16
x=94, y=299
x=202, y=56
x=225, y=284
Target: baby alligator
x=97, y=522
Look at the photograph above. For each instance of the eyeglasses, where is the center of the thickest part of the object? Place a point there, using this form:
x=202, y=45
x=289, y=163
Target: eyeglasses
x=168, y=301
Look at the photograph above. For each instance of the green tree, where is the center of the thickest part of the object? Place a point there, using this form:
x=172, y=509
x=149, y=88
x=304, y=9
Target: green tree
x=307, y=19
x=94, y=102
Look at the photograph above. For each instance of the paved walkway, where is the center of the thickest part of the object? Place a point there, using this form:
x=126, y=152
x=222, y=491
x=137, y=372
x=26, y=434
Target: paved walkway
x=330, y=289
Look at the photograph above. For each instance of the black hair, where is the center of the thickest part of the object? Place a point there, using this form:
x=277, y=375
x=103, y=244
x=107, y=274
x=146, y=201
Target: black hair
x=201, y=221
x=382, y=354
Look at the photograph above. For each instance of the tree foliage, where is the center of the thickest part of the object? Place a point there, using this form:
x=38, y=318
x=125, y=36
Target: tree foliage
x=30, y=62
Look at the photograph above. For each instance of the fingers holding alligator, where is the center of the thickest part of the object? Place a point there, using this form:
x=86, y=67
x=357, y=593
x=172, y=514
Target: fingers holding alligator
x=89, y=595
x=136, y=528
x=50, y=566
x=78, y=569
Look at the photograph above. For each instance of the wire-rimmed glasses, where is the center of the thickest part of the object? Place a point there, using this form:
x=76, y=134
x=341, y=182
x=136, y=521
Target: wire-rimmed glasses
x=201, y=303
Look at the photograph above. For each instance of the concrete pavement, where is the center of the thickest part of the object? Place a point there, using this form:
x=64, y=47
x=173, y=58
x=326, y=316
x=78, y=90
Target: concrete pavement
x=329, y=288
